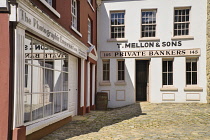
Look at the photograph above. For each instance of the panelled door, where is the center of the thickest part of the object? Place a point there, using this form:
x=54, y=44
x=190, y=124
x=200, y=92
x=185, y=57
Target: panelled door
x=142, y=67
x=73, y=84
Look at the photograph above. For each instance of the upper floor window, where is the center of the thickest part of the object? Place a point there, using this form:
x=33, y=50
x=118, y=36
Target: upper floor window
x=191, y=71
x=89, y=31
x=49, y=2
x=181, y=21
x=148, y=24
x=117, y=24
x=74, y=13
x=167, y=69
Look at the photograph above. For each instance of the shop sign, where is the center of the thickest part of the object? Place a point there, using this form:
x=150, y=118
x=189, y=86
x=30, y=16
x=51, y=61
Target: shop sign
x=151, y=53
x=150, y=44
x=43, y=29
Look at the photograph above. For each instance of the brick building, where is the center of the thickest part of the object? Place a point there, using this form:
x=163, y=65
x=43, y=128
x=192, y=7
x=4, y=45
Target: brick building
x=50, y=48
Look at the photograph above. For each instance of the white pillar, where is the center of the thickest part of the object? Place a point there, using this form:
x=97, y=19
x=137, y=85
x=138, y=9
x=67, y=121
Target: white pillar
x=19, y=72
x=88, y=84
x=93, y=84
x=82, y=83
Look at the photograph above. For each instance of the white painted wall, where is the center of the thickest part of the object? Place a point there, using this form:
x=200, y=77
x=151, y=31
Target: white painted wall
x=164, y=19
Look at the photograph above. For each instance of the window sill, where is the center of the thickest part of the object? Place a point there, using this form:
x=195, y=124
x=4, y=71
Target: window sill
x=51, y=8
x=168, y=88
x=193, y=88
x=91, y=6
x=183, y=38
x=149, y=39
x=75, y=30
x=120, y=83
x=105, y=83
x=117, y=40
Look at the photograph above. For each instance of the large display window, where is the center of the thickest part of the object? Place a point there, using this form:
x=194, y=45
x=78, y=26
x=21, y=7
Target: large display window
x=46, y=80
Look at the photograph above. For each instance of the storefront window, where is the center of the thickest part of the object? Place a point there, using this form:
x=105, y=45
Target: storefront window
x=46, y=80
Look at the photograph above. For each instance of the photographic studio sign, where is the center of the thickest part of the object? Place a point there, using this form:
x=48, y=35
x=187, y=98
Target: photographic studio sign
x=151, y=53
x=150, y=44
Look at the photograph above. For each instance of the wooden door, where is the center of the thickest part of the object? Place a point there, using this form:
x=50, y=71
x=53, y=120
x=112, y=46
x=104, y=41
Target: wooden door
x=73, y=84
x=141, y=79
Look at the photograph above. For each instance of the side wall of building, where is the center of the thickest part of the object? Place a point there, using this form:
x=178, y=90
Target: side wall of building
x=4, y=75
x=208, y=52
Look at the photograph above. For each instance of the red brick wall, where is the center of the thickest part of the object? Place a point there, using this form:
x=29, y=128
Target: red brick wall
x=4, y=75
x=63, y=7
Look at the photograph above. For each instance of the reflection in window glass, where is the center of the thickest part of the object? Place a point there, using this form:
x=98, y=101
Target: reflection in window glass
x=57, y=102
x=37, y=79
x=37, y=53
x=37, y=106
x=58, y=84
x=46, y=71
x=28, y=48
x=27, y=107
x=48, y=85
x=48, y=104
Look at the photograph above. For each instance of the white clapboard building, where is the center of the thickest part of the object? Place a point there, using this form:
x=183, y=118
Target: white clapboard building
x=152, y=50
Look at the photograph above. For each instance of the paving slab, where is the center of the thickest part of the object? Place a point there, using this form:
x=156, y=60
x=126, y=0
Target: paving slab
x=140, y=121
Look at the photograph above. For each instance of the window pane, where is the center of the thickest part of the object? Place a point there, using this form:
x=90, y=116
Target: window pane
x=48, y=86
x=188, y=78
x=65, y=63
x=58, y=81
x=170, y=78
x=37, y=53
x=37, y=79
x=65, y=81
x=188, y=66
x=49, y=56
x=28, y=50
x=164, y=78
x=27, y=108
x=57, y=102
x=194, y=66
x=58, y=56
x=65, y=101
x=194, y=77
x=28, y=79
x=170, y=66
x=48, y=104
x=37, y=106
x=164, y=66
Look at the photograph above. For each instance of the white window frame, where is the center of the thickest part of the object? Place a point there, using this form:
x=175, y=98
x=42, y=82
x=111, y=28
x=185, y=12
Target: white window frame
x=167, y=72
x=115, y=26
x=149, y=24
x=43, y=68
x=74, y=13
x=89, y=31
x=120, y=70
x=175, y=31
x=106, y=61
x=190, y=60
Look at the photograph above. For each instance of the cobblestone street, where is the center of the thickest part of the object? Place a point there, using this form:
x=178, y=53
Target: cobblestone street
x=140, y=121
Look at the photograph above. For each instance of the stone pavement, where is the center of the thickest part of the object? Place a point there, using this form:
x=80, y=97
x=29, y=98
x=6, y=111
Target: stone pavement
x=140, y=121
